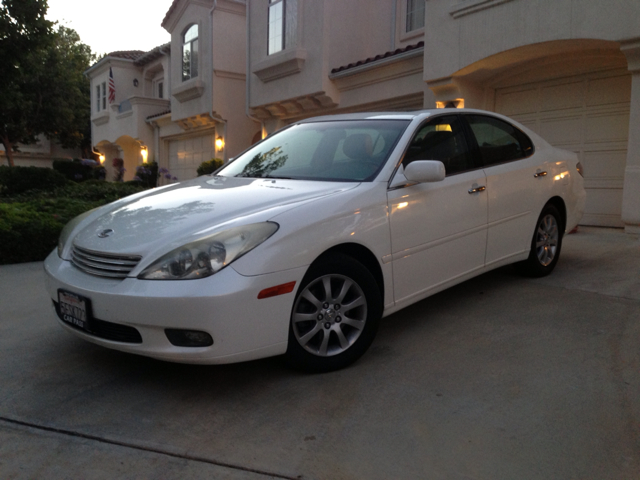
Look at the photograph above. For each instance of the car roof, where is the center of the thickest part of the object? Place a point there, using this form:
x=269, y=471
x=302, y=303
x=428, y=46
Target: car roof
x=399, y=115
x=369, y=116
x=420, y=115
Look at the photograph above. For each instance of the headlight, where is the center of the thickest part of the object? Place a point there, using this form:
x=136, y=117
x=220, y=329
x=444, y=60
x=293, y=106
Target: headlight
x=68, y=228
x=210, y=254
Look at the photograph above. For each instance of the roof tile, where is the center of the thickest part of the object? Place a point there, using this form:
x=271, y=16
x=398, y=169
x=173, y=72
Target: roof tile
x=391, y=53
x=126, y=54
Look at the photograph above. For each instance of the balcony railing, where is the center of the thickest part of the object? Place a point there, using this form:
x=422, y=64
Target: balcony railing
x=125, y=106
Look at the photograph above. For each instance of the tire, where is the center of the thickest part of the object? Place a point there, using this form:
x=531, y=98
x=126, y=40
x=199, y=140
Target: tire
x=335, y=315
x=545, y=244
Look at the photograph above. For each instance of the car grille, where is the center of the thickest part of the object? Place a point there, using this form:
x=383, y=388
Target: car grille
x=103, y=264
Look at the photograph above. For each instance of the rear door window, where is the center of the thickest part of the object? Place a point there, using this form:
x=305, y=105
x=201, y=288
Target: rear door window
x=498, y=141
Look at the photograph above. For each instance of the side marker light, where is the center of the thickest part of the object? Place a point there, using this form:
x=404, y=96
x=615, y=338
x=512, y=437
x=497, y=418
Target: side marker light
x=277, y=290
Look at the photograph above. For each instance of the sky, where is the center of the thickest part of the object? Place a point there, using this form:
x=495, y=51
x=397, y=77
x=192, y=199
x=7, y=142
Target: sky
x=114, y=25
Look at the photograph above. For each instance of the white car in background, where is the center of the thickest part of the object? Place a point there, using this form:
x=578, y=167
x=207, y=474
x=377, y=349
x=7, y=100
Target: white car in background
x=303, y=242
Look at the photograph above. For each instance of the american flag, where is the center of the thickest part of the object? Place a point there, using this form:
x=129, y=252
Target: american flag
x=112, y=87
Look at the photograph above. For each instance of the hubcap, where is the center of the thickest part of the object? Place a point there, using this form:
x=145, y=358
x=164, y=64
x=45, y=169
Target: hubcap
x=547, y=240
x=329, y=315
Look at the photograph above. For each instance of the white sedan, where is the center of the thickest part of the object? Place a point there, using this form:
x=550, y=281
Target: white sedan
x=303, y=242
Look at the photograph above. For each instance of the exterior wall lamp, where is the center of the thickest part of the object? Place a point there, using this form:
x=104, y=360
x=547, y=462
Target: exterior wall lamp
x=101, y=156
x=455, y=103
x=145, y=153
x=219, y=143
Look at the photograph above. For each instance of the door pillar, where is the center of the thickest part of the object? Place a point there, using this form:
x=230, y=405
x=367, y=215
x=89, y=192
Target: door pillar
x=631, y=188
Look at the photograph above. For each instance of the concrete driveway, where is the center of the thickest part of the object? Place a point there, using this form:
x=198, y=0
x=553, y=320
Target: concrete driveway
x=498, y=378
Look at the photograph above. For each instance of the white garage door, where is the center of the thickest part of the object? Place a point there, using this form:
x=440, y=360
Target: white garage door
x=186, y=155
x=588, y=114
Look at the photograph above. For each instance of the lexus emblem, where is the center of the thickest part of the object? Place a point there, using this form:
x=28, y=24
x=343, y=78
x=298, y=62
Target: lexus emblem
x=105, y=233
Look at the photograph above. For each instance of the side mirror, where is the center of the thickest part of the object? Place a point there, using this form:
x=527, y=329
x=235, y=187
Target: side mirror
x=424, y=171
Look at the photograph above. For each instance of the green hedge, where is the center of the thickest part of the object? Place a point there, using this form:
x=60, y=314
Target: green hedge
x=147, y=174
x=95, y=190
x=30, y=230
x=17, y=180
x=79, y=170
x=31, y=222
x=207, y=168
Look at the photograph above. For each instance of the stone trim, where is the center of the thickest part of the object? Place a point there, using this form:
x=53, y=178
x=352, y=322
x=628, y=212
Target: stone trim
x=281, y=64
x=197, y=122
x=631, y=50
x=126, y=114
x=230, y=75
x=294, y=107
x=468, y=7
x=188, y=90
x=100, y=118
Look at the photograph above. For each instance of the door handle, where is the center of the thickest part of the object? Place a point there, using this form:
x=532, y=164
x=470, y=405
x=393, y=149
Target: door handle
x=476, y=189
x=539, y=174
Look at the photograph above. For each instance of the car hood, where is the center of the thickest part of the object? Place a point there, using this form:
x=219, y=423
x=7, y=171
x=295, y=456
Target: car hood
x=168, y=217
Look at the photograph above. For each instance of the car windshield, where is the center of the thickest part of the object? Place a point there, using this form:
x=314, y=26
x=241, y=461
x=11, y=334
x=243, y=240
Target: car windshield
x=351, y=150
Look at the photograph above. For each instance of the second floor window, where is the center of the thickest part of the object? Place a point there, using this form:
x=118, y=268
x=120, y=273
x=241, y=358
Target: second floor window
x=190, y=53
x=276, y=26
x=415, y=15
x=101, y=97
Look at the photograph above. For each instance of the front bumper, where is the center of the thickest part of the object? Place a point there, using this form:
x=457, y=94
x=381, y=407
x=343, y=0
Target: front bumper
x=225, y=305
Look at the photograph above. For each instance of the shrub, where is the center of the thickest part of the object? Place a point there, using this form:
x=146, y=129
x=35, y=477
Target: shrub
x=79, y=170
x=17, y=180
x=26, y=235
x=207, y=168
x=95, y=190
x=30, y=223
x=147, y=174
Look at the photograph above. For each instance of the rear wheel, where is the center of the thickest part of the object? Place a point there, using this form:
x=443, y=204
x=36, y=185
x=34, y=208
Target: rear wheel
x=335, y=315
x=545, y=244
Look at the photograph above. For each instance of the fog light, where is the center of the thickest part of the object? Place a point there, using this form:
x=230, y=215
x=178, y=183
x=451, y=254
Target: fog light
x=188, y=338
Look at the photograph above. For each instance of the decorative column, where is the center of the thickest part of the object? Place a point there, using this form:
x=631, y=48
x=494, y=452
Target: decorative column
x=631, y=191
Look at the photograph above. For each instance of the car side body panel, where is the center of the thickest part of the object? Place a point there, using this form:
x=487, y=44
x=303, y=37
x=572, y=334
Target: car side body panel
x=425, y=238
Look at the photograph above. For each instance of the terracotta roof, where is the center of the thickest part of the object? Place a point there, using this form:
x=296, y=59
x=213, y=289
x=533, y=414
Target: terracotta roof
x=151, y=55
x=156, y=115
x=126, y=54
x=392, y=53
x=169, y=12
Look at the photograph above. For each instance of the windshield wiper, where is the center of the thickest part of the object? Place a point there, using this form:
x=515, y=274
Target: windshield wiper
x=278, y=177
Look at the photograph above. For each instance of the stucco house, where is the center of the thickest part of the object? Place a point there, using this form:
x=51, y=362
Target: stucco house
x=181, y=103
x=568, y=69
x=39, y=154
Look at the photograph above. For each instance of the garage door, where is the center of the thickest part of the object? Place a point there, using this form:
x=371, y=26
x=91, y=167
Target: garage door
x=186, y=155
x=588, y=114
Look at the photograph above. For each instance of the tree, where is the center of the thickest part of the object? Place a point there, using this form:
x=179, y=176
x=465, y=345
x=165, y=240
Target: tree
x=42, y=86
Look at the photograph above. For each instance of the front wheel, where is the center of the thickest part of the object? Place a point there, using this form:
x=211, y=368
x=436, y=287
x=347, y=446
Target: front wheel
x=545, y=244
x=335, y=315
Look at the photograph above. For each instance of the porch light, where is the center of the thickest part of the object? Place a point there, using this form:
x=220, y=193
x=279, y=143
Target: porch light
x=219, y=143
x=101, y=158
x=455, y=103
x=145, y=153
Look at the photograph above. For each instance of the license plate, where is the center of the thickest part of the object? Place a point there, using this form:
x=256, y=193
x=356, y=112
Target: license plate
x=74, y=309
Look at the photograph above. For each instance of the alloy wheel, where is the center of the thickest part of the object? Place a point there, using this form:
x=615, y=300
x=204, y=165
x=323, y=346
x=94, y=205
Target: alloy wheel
x=329, y=315
x=547, y=239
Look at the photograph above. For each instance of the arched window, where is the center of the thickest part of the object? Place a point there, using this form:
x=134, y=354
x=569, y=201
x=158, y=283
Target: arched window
x=190, y=53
